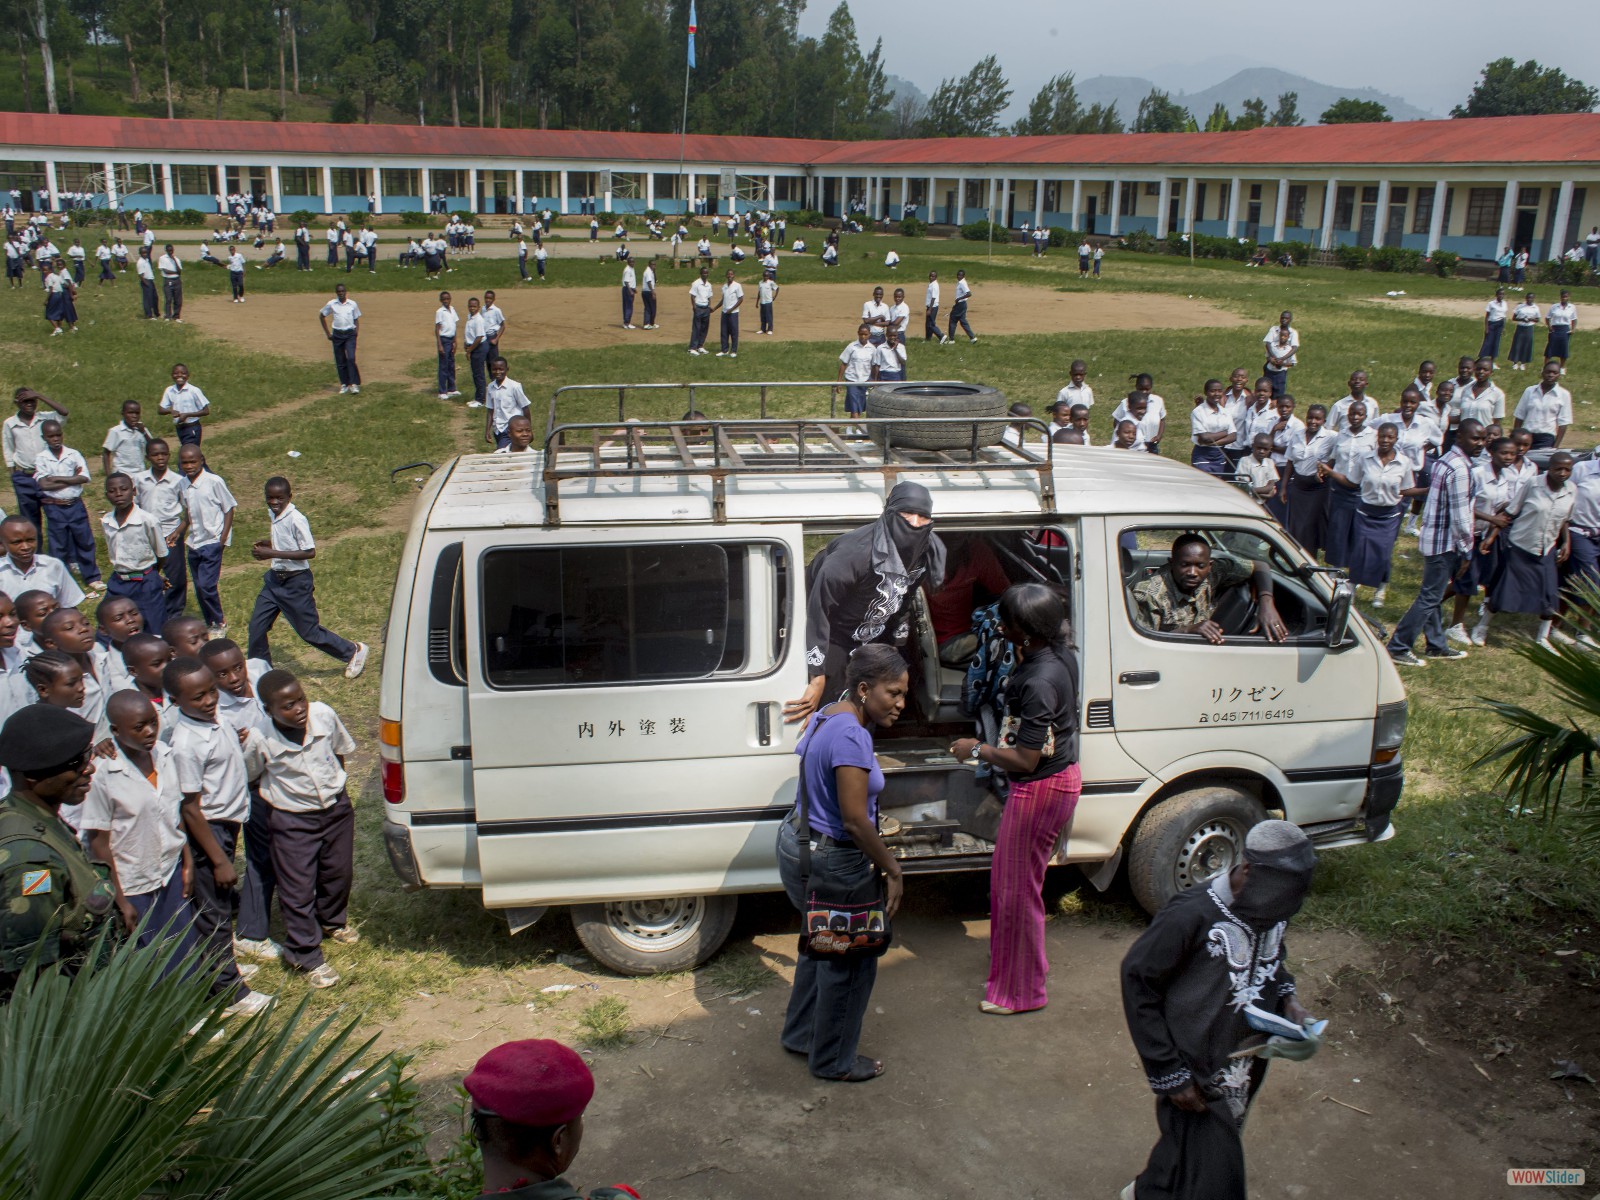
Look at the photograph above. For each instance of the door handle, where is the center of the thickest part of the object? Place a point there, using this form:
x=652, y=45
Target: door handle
x=764, y=723
x=1136, y=678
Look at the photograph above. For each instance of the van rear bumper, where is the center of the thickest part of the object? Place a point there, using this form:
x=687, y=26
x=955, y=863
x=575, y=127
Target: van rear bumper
x=1384, y=786
x=397, y=842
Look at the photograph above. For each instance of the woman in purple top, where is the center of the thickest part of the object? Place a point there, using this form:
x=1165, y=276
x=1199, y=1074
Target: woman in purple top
x=842, y=780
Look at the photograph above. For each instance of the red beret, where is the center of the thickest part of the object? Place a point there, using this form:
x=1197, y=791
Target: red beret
x=533, y=1082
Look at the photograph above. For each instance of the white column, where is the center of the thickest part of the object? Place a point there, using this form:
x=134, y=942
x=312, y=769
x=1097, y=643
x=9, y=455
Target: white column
x=933, y=183
x=111, y=183
x=988, y=203
x=649, y=189
x=1508, y=216
x=1280, y=214
x=519, y=197
x=605, y=201
x=472, y=189
x=50, y=181
x=426, y=184
x=1441, y=193
x=1038, y=203
x=772, y=194
x=1235, y=186
x=1002, y=205
x=563, y=207
x=166, y=185
x=1163, y=207
x=959, y=216
x=1116, y=206
x=1557, y=236
x=222, y=181
x=377, y=188
x=1077, y=205
x=1329, y=198
x=1380, y=220
x=1190, y=185
x=327, y=189
x=275, y=182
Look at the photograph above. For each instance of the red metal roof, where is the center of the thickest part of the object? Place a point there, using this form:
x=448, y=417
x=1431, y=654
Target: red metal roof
x=1556, y=139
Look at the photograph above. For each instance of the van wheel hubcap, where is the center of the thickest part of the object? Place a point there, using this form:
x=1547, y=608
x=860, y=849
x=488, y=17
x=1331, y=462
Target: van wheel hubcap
x=1210, y=849
x=655, y=926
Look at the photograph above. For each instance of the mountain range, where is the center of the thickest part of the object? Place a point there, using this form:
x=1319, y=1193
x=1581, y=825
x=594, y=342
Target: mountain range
x=1267, y=83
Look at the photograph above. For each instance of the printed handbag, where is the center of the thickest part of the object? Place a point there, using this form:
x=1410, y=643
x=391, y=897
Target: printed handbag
x=833, y=928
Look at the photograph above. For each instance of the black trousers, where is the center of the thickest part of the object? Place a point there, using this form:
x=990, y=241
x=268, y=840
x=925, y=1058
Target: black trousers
x=649, y=299
x=293, y=594
x=302, y=256
x=172, y=298
x=312, y=859
x=930, y=325
x=1200, y=1155
x=147, y=296
x=701, y=327
x=214, y=911
x=344, y=357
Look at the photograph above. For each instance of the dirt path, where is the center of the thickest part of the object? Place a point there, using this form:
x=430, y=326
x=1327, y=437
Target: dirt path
x=396, y=327
x=1445, y=306
x=1046, y=1105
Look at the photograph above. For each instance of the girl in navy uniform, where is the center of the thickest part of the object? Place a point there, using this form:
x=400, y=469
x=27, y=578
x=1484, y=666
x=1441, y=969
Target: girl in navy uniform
x=1494, y=324
x=1382, y=478
x=1538, y=541
x=1524, y=320
x=1305, y=492
x=1210, y=429
x=1343, y=498
x=1496, y=485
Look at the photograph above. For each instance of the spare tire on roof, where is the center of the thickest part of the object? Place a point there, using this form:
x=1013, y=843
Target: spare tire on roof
x=970, y=400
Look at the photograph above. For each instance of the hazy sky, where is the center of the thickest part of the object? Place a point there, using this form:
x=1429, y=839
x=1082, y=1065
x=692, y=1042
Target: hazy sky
x=1429, y=53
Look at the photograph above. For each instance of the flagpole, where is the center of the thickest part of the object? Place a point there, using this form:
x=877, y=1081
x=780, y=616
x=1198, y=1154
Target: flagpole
x=683, y=127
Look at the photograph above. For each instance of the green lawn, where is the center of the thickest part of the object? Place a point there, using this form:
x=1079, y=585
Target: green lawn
x=1460, y=865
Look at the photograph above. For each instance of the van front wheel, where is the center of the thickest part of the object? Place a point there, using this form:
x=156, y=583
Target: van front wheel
x=651, y=937
x=1188, y=838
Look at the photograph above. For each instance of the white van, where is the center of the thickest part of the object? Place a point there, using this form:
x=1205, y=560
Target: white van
x=590, y=647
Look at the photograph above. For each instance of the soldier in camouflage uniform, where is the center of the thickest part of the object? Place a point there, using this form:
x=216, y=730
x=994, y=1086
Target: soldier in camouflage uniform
x=1183, y=596
x=52, y=901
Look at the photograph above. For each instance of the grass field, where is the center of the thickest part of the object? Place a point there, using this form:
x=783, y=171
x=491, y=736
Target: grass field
x=1461, y=868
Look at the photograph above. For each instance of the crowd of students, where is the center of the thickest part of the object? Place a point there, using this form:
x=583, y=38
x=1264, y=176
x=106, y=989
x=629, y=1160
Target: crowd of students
x=198, y=741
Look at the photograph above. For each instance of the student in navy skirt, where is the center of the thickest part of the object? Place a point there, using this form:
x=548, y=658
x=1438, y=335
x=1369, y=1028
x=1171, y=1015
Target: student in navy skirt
x=1495, y=484
x=1494, y=324
x=1583, y=561
x=1537, y=542
x=1525, y=318
x=1382, y=479
x=1283, y=431
x=1344, y=497
x=1211, y=427
x=1305, y=489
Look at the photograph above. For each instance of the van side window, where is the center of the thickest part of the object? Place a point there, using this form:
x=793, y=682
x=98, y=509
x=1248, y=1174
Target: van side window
x=1158, y=605
x=590, y=615
x=446, y=629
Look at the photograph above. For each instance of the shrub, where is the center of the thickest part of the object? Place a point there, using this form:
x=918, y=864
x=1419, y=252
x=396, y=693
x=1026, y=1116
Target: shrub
x=1206, y=246
x=410, y=217
x=191, y=218
x=1352, y=258
x=357, y=217
x=807, y=216
x=303, y=216
x=1564, y=273
x=654, y=214
x=345, y=110
x=1060, y=236
x=1394, y=258
x=912, y=227
x=1444, y=263
x=1142, y=241
x=982, y=231
x=1299, y=251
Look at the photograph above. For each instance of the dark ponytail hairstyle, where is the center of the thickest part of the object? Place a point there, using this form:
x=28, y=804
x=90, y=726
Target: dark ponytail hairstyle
x=1037, y=613
x=871, y=664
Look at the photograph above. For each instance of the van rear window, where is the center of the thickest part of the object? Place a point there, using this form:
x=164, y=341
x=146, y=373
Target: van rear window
x=590, y=615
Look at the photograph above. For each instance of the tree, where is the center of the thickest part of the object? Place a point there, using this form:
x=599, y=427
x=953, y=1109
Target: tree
x=1218, y=121
x=1252, y=114
x=1345, y=111
x=1056, y=110
x=1158, y=114
x=1507, y=90
x=1288, y=110
x=969, y=106
x=39, y=18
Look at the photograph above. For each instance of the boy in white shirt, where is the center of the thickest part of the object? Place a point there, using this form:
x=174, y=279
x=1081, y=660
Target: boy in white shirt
x=61, y=473
x=159, y=493
x=299, y=764
x=856, y=369
x=186, y=405
x=123, y=449
x=210, y=506
x=1259, y=469
x=135, y=548
x=1077, y=391
x=503, y=400
x=288, y=588
x=519, y=430
x=216, y=801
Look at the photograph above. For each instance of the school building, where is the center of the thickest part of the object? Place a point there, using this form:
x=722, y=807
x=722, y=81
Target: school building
x=1469, y=186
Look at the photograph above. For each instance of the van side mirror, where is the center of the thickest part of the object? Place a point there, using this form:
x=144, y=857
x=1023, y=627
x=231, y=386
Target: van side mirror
x=1344, y=597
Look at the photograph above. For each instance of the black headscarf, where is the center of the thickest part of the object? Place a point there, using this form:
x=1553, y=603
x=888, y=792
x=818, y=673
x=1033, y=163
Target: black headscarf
x=1279, y=879
x=899, y=548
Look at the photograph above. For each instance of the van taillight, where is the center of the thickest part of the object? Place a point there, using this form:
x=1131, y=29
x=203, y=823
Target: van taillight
x=394, y=782
x=391, y=752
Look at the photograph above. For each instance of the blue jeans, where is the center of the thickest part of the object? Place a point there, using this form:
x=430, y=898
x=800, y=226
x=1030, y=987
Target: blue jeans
x=829, y=1000
x=1423, y=615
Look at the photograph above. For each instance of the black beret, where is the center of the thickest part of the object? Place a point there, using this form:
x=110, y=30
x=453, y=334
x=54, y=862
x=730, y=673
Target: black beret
x=41, y=736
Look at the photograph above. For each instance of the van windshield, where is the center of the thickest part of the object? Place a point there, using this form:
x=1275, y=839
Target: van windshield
x=589, y=615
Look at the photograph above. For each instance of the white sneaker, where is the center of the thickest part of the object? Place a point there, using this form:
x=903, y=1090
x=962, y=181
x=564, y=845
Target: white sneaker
x=628, y=327
x=253, y=1003
x=247, y=971
x=1562, y=639
x=1544, y=644
x=453, y=393
x=345, y=935
x=444, y=395
x=1480, y=636
x=1458, y=633
x=355, y=389
x=733, y=354
x=358, y=661
x=722, y=354
x=344, y=389
x=322, y=977
x=265, y=948
x=1379, y=597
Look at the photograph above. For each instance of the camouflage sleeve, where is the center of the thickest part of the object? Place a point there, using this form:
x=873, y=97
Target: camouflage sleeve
x=616, y=1191
x=34, y=884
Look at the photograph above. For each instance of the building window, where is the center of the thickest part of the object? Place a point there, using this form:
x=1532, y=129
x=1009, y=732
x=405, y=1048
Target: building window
x=401, y=182
x=1527, y=197
x=791, y=189
x=1344, y=207
x=349, y=181
x=1223, y=190
x=1422, y=215
x=1152, y=189
x=1200, y=201
x=1399, y=195
x=299, y=181
x=1369, y=195
x=1294, y=212
x=1484, y=206
x=1129, y=202
x=1255, y=191
x=194, y=181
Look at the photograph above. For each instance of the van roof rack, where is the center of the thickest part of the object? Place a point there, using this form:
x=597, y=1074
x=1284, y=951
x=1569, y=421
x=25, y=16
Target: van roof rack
x=718, y=449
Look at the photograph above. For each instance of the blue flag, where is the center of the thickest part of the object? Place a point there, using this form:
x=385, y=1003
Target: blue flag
x=691, y=32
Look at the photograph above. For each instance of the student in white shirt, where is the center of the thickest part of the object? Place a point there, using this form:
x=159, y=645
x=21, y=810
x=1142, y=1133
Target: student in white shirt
x=22, y=437
x=1077, y=391
x=730, y=303
x=766, y=298
x=958, y=310
x=519, y=431
x=288, y=588
x=930, y=310
x=630, y=289
x=103, y=253
x=1494, y=324
x=1210, y=429
x=1358, y=436
x=856, y=367
x=1307, y=453
x=503, y=400
x=475, y=341
x=889, y=359
x=1337, y=419
x=159, y=493
x=171, y=270
x=875, y=315
x=1383, y=480
x=23, y=569
x=145, y=269
x=346, y=314
x=61, y=472
x=135, y=549
x=186, y=405
x=1282, y=343
x=1528, y=580
x=1545, y=409
x=445, y=321
x=1259, y=469
x=210, y=507
x=700, y=307
x=1562, y=319
x=1524, y=320
x=1482, y=400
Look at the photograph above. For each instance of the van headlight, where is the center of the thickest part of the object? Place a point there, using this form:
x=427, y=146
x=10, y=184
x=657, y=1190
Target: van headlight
x=1388, y=731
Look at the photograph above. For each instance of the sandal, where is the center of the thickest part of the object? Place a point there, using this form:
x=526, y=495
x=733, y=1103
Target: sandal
x=865, y=1069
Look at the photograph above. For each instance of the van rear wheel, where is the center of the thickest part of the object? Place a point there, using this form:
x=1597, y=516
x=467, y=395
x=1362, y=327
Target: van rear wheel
x=655, y=936
x=1188, y=838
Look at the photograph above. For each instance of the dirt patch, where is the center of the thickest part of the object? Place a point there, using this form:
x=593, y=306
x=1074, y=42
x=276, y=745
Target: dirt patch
x=1436, y=307
x=396, y=327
